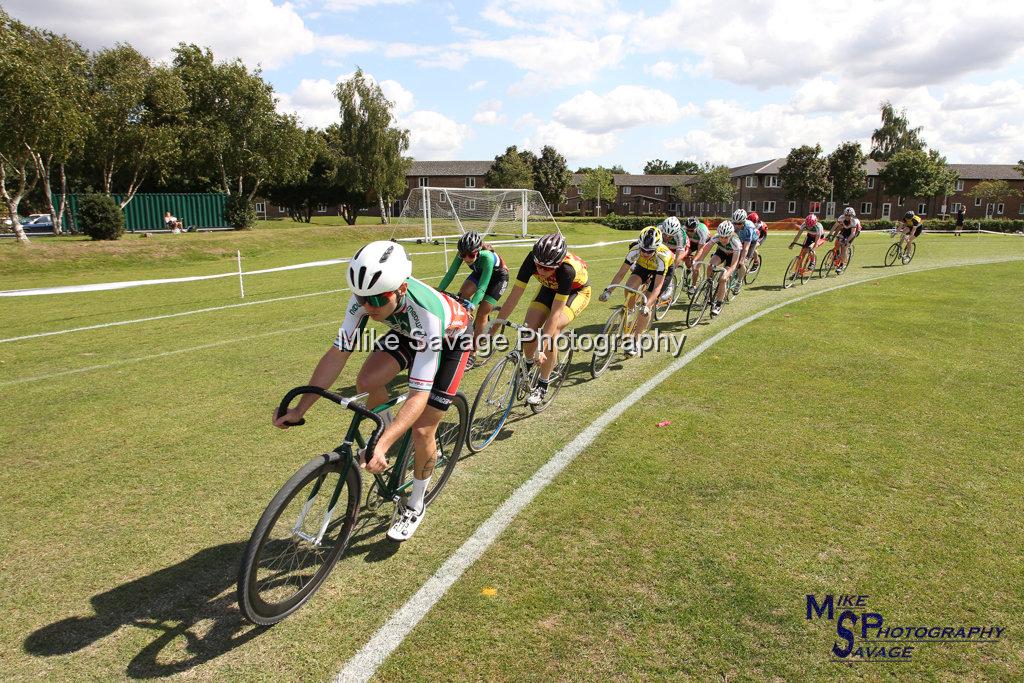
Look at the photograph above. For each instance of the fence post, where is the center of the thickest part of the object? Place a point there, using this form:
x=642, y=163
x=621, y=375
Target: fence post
x=241, y=282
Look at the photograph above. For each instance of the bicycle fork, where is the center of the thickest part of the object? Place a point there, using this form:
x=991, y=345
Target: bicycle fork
x=300, y=523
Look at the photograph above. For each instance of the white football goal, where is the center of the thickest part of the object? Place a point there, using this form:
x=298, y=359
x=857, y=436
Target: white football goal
x=443, y=212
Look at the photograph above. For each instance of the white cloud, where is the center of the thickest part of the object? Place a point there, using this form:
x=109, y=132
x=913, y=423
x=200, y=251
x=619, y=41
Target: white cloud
x=353, y=5
x=343, y=45
x=576, y=145
x=434, y=136
x=476, y=85
x=552, y=61
x=623, y=107
x=313, y=100
x=402, y=98
x=663, y=70
x=261, y=31
x=489, y=113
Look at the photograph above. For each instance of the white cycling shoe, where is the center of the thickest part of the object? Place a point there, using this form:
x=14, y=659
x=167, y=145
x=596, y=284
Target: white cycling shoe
x=405, y=524
x=536, y=397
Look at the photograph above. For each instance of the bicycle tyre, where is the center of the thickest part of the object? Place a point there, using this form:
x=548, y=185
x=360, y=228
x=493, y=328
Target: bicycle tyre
x=557, y=377
x=252, y=605
x=613, y=327
x=755, y=268
x=808, y=269
x=480, y=438
x=699, y=304
x=449, y=440
x=662, y=309
x=787, y=278
x=828, y=264
x=908, y=253
x=892, y=254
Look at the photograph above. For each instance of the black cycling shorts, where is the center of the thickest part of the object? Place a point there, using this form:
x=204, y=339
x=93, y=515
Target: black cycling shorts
x=454, y=355
x=647, y=278
x=495, y=288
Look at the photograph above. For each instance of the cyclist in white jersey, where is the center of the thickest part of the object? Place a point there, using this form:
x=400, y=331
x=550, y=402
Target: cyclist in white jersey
x=428, y=337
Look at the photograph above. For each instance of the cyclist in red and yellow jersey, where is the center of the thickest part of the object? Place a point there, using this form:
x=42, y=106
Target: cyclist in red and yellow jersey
x=563, y=295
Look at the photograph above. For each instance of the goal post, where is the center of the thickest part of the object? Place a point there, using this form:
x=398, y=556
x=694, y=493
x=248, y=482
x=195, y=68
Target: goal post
x=441, y=212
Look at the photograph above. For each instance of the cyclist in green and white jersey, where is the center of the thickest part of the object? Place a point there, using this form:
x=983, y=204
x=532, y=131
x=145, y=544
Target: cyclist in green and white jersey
x=699, y=245
x=428, y=336
x=487, y=281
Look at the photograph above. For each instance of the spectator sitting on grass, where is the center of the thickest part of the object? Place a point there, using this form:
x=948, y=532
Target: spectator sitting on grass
x=171, y=222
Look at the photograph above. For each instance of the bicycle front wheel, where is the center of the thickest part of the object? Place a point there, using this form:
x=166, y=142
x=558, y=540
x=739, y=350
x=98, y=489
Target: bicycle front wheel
x=663, y=306
x=699, y=304
x=892, y=254
x=612, y=331
x=558, y=376
x=755, y=268
x=492, y=405
x=791, y=272
x=827, y=264
x=298, y=539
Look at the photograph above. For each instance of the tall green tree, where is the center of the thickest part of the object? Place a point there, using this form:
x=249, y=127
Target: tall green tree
x=916, y=173
x=895, y=134
x=597, y=185
x=234, y=133
x=805, y=175
x=713, y=185
x=372, y=144
x=302, y=195
x=657, y=167
x=1020, y=167
x=685, y=168
x=510, y=169
x=551, y=175
x=137, y=113
x=846, y=168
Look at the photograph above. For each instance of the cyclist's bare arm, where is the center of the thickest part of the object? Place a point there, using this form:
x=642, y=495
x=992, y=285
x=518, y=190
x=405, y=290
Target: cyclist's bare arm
x=618, y=274
x=652, y=296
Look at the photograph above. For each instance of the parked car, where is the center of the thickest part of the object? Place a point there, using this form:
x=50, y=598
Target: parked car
x=38, y=221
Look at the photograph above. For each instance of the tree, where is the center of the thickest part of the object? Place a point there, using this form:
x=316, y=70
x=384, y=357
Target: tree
x=321, y=185
x=551, y=175
x=805, y=173
x=685, y=168
x=598, y=184
x=657, y=167
x=991, y=190
x=916, y=173
x=137, y=110
x=894, y=135
x=846, y=169
x=713, y=185
x=1019, y=167
x=234, y=133
x=510, y=170
x=372, y=146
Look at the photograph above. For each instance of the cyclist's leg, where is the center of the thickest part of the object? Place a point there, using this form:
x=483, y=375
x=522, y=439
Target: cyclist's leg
x=720, y=288
x=574, y=305
x=644, y=284
x=536, y=315
x=468, y=288
x=391, y=355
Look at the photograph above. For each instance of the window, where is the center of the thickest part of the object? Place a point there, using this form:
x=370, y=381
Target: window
x=471, y=204
x=737, y=183
x=751, y=181
x=886, y=210
x=282, y=209
x=999, y=208
x=456, y=204
x=659, y=190
x=792, y=207
x=625, y=206
x=771, y=181
x=871, y=182
x=769, y=207
x=977, y=201
x=261, y=207
x=1021, y=209
x=922, y=209
x=751, y=206
x=865, y=208
x=899, y=201
x=815, y=207
x=626, y=189
x=579, y=206
x=959, y=186
x=321, y=208
x=470, y=182
x=424, y=181
x=956, y=207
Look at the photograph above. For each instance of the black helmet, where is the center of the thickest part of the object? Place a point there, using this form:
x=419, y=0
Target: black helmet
x=908, y=215
x=470, y=243
x=691, y=223
x=550, y=250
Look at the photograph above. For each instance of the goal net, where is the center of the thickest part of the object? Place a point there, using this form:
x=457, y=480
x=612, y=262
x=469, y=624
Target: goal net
x=449, y=211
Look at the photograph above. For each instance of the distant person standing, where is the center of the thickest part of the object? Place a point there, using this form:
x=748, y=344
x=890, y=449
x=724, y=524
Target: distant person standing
x=959, y=220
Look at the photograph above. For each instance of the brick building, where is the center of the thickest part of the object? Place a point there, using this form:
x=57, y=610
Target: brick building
x=637, y=195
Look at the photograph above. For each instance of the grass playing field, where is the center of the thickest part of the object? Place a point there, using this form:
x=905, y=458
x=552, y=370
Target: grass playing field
x=136, y=459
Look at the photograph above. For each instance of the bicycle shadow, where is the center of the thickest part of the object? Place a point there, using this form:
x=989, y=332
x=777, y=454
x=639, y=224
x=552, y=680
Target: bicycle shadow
x=179, y=602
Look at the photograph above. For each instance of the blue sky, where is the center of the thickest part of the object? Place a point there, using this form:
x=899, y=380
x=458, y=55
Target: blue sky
x=612, y=82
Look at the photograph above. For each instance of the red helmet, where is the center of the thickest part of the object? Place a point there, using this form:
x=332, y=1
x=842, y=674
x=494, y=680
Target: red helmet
x=811, y=220
x=753, y=217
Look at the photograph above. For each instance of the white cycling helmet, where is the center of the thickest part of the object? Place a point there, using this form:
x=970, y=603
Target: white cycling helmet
x=739, y=216
x=849, y=212
x=725, y=229
x=670, y=224
x=378, y=267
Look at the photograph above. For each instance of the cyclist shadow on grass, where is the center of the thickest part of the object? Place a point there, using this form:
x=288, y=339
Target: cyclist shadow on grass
x=188, y=605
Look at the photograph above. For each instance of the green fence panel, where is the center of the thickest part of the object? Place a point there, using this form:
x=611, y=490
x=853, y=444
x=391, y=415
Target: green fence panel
x=146, y=210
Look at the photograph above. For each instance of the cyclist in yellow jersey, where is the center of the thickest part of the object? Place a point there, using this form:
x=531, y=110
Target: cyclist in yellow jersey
x=911, y=228
x=564, y=294
x=648, y=261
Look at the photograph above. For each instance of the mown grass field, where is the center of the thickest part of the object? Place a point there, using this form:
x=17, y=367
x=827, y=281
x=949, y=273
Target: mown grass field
x=137, y=458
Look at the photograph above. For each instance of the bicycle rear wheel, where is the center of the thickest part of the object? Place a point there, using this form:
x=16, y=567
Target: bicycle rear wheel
x=755, y=268
x=555, y=381
x=699, y=304
x=298, y=539
x=492, y=405
x=450, y=435
x=892, y=254
x=599, y=362
x=908, y=253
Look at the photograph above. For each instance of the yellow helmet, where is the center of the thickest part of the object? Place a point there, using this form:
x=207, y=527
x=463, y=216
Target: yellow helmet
x=650, y=238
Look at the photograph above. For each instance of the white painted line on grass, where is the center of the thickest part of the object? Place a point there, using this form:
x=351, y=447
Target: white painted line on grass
x=388, y=637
